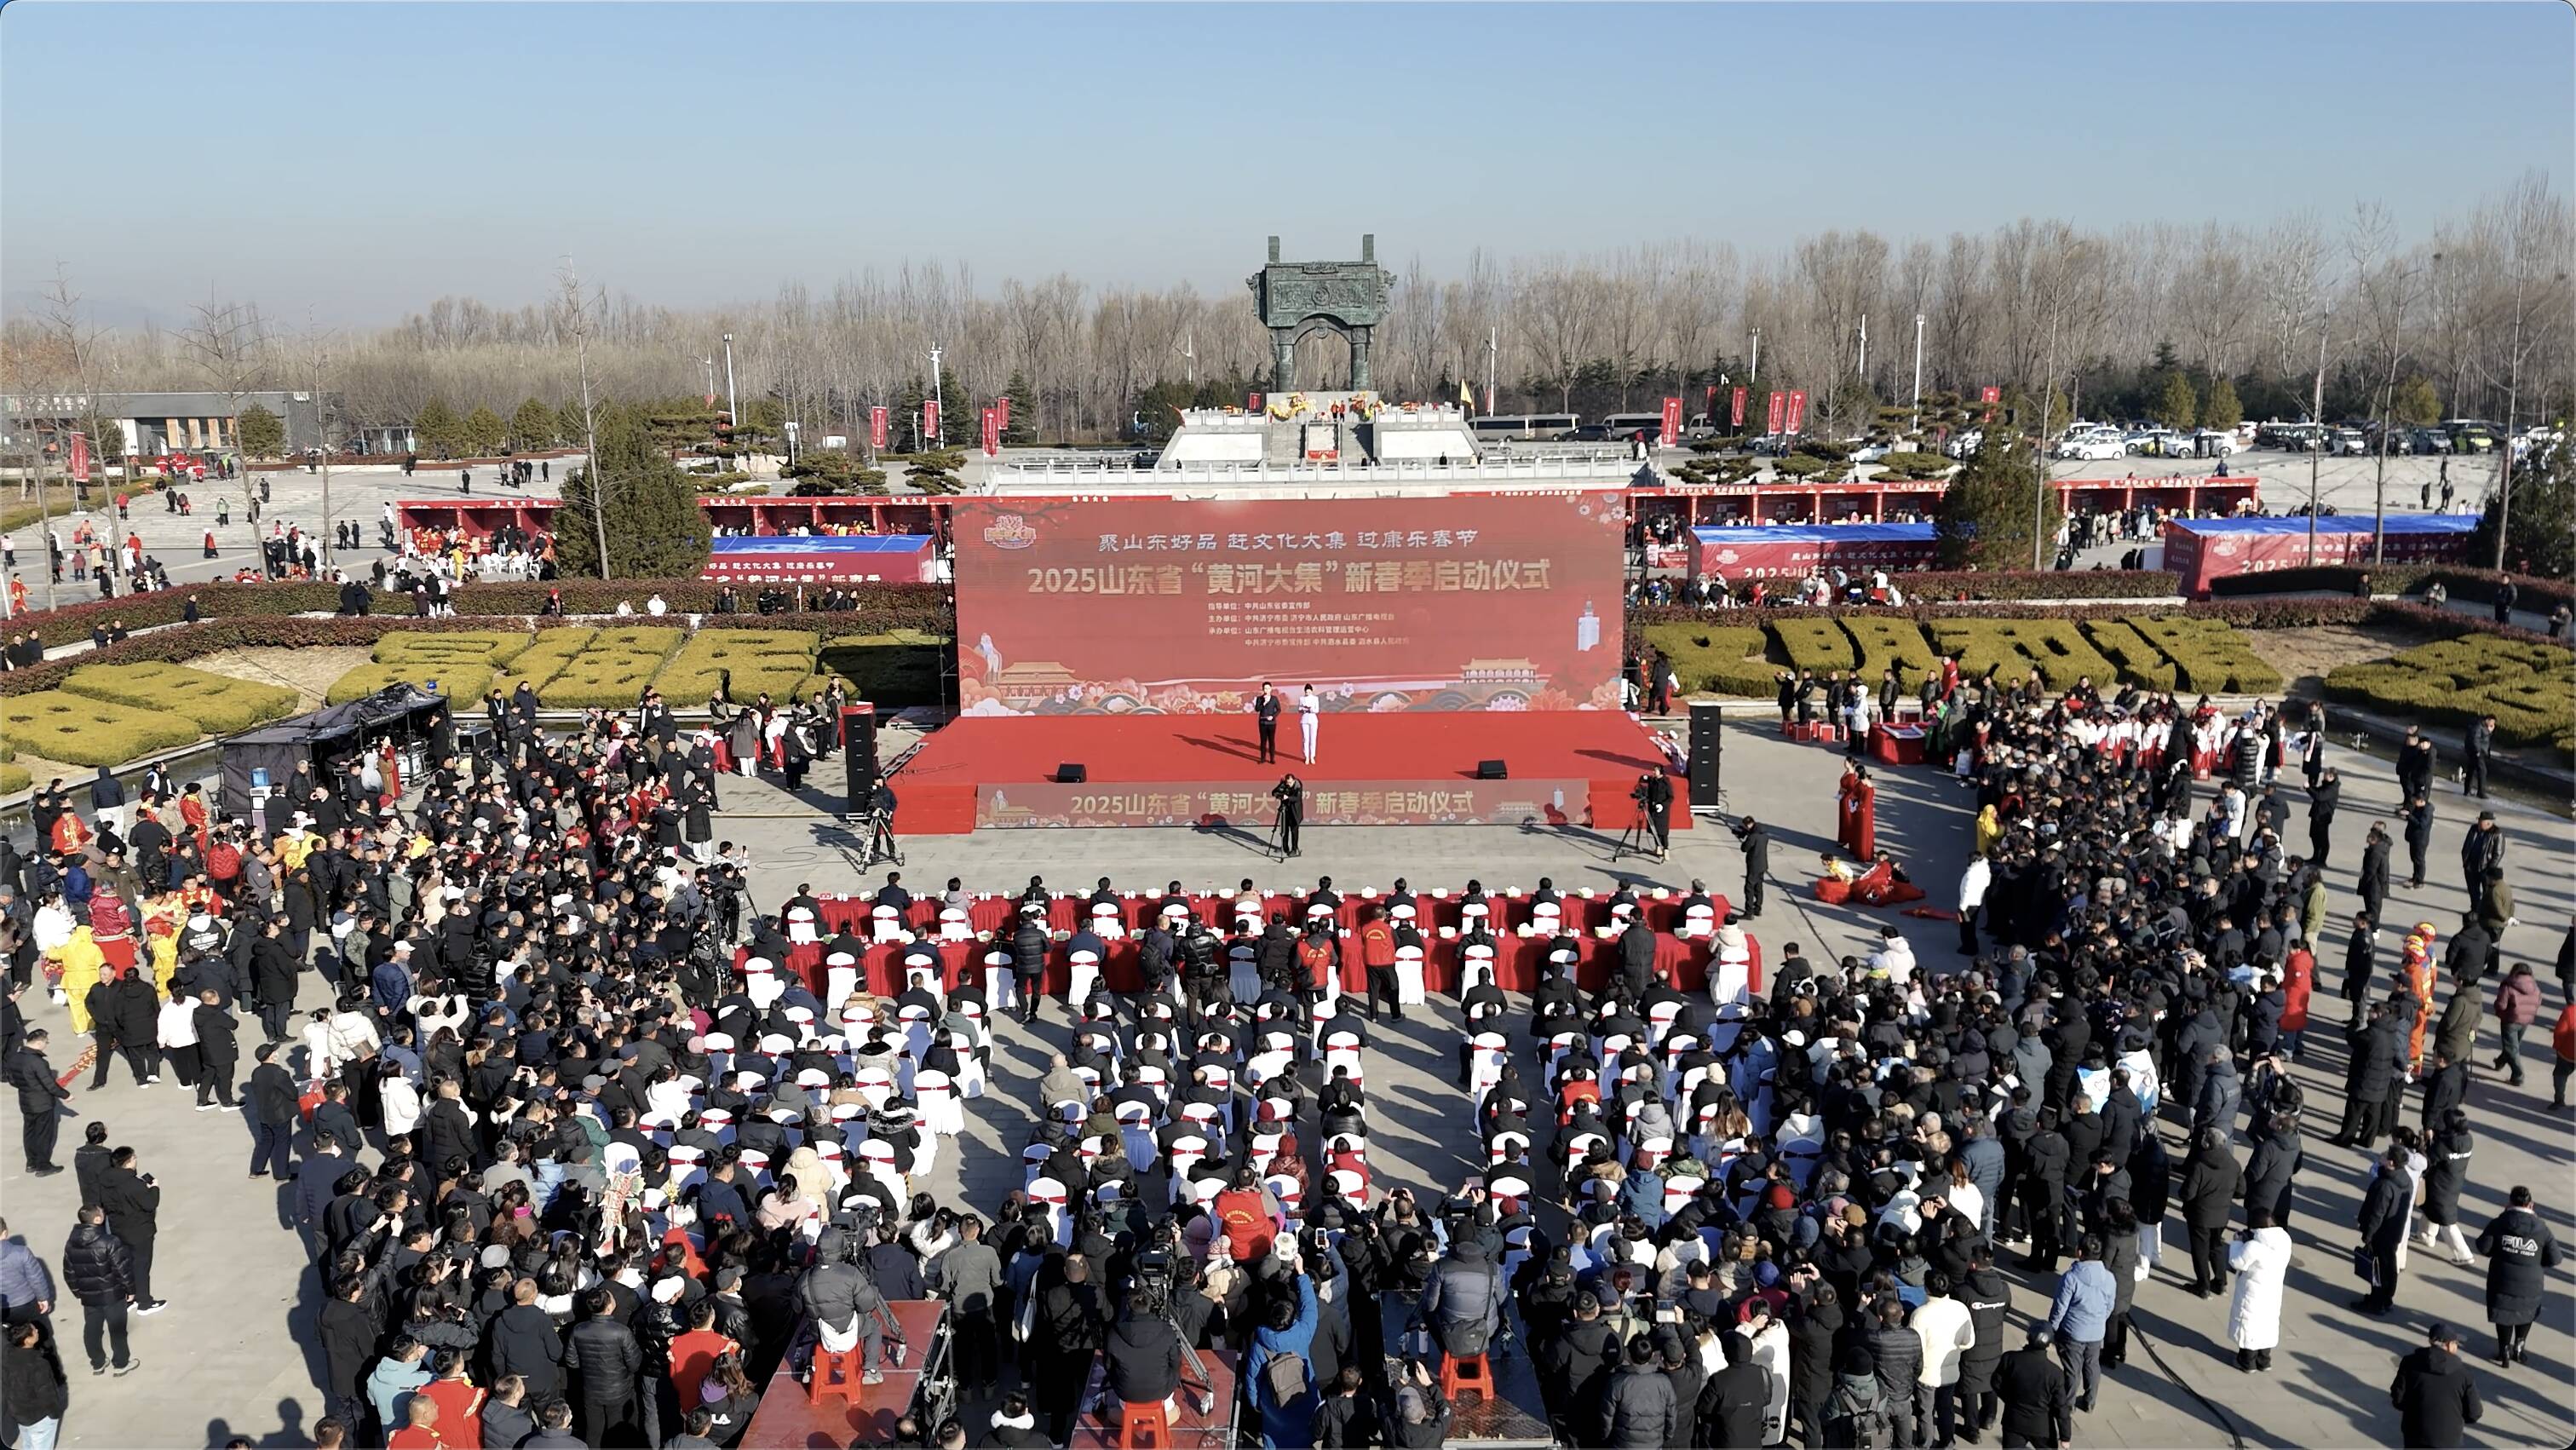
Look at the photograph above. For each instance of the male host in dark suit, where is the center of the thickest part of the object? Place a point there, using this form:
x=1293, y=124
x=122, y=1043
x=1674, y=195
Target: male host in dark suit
x=1265, y=710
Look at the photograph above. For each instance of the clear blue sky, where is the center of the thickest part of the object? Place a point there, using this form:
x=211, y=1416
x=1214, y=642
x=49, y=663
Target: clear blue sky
x=699, y=153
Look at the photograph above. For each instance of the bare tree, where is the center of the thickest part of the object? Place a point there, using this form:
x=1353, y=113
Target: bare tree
x=227, y=341
x=80, y=378
x=574, y=318
x=2386, y=286
x=2526, y=309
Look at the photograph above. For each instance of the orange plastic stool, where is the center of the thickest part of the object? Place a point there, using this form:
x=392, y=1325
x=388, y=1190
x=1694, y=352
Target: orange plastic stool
x=835, y=1373
x=1465, y=1373
x=1145, y=1424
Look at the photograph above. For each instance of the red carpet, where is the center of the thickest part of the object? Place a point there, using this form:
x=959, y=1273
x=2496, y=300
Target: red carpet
x=1408, y=768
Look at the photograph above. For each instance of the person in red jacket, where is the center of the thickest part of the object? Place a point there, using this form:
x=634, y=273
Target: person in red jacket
x=1377, y=956
x=2517, y=1006
x=1248, y=1215
x=2563, y=1037
x=2298, y=978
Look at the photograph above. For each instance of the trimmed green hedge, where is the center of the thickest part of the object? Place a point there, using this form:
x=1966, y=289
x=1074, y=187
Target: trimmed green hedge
x=2530, y=687
x=85, y=731
x=1723, y=659
x=14, y=778
x=2014, y=647
x=2212, y=658
x=774, y=660
x=612, y=671
x=482, y=646
x=464, y=681
x=546, y=657
x=2132, y=653
x=1815, y=644
x=1886, y=643
x=219, y=704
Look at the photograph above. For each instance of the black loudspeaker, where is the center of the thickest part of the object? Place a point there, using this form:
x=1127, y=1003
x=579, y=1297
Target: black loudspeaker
x=1707, y=745
x=1491, y=770
x=859, y=753
x=1071, y=773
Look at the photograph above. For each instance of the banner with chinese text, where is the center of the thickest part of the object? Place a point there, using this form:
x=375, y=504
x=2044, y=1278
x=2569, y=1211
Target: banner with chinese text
x=1503, y=602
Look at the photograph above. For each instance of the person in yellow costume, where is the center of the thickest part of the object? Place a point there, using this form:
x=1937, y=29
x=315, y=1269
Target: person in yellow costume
x=1989, y=830
x=162, y=918
x=82, y=964
x=2416, y=967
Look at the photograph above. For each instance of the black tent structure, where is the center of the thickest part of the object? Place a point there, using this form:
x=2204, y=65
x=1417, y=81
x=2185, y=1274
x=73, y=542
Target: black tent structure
x=268, y=756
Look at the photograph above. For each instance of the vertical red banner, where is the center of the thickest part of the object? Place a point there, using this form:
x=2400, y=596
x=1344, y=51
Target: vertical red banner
x=1779, y=402
x=1002, y=404
x=876, y=427
x=1735, y=415
x=1797, y=409
x=992, y=432
x=1672, y=430
x=80, y=457
x=1990, y=395
x=1708, y=401
x=1252, y=402
x=929, y=420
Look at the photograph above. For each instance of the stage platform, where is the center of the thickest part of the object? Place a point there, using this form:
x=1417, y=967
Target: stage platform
x=1572, y=767
x=1207, y=1407
x=787, y=1418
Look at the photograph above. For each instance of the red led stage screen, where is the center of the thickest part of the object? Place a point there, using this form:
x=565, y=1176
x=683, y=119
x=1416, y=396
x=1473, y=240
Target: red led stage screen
x=1460, y=602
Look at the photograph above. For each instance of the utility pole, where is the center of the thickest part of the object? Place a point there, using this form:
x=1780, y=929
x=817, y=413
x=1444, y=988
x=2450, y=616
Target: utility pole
x=1864, y=347
x=939, y=404
x=322, y=440
x=1756, y=379
x=1918, y=372
x=2039, y=502
x=589, y=414
x=2317, y=414
x=710, y=361
x=732, y=409
x=1493, y=365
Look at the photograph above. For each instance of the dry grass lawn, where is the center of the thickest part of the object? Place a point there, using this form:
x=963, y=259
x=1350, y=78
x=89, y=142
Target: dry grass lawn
x=308, y=672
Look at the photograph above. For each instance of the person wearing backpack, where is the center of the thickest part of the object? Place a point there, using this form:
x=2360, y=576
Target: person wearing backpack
x=1855, y=1416
x=1463, y=1300
x=1282, y=1390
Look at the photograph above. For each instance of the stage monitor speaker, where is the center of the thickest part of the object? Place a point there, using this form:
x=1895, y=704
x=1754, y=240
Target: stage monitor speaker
x=1707, y=745
x=1071, y=773
x=859, y=753
x=1491, y=770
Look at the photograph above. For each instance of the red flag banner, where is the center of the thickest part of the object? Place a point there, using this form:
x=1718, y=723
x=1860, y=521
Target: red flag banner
x=1797, y=409
x=1779, y=401
x=1672, y=430
x=876, y=428
x=1990, y=395
x=929, y=420
x=1735, y=418
x=80, y=457
x=1252, y=402
x=1003, y=404
x=992, y=432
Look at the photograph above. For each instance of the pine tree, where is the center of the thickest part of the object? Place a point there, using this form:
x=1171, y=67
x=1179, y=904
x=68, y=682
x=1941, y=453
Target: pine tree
x=2176, y=407
x=568, y=425
x=1023, y=431
x=434, y=428
x=2540, y=538
x=2416, y=404
x=654, y=527
x=532, y=427
x=483, y=432
x=261, y=433
x=2222, y=412
x=1984, y=520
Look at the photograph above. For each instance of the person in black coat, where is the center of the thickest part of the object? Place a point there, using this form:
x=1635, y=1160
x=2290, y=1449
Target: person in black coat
x=275, y=1110
x=2520, y=1253
x=2435, y=1395
x=2385, y=1207
x=2376, y=1045
x=2209, y=1183
x=133, y=1204
x=348, y=1347
x=2269, y=1173
x=605, y=1360
x=218, y=1051
x=2039, y=1408
x=97, y=1272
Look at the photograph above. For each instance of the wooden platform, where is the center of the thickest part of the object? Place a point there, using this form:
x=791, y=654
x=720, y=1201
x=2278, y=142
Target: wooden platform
x=787, y=1420
x=1212, y=1429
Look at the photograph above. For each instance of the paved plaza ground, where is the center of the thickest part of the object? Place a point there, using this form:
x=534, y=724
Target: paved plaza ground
x=234, y=1352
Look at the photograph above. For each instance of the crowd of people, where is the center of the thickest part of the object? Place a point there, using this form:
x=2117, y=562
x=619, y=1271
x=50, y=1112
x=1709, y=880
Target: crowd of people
x=568, y=1173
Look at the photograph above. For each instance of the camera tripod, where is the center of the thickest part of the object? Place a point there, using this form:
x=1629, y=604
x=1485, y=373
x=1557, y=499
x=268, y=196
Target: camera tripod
x=881, y=842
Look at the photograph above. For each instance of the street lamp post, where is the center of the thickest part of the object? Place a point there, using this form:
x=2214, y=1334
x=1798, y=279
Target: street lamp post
x=2317, y=414
x=939, y=403
x=732, y=409
x=1918, y=373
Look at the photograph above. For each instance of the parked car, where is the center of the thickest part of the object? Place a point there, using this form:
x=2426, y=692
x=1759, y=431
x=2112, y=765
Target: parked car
x=2149, y=442
x=2426, y=440
x=2349, y=443
x=2468, y=435
x=2094, y=447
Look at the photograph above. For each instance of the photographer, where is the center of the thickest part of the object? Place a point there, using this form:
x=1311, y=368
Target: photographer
x=1290, y=793
x=1143, y=1347
x=1654, y=796
x=1462, y=1303
x=842, y=1296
